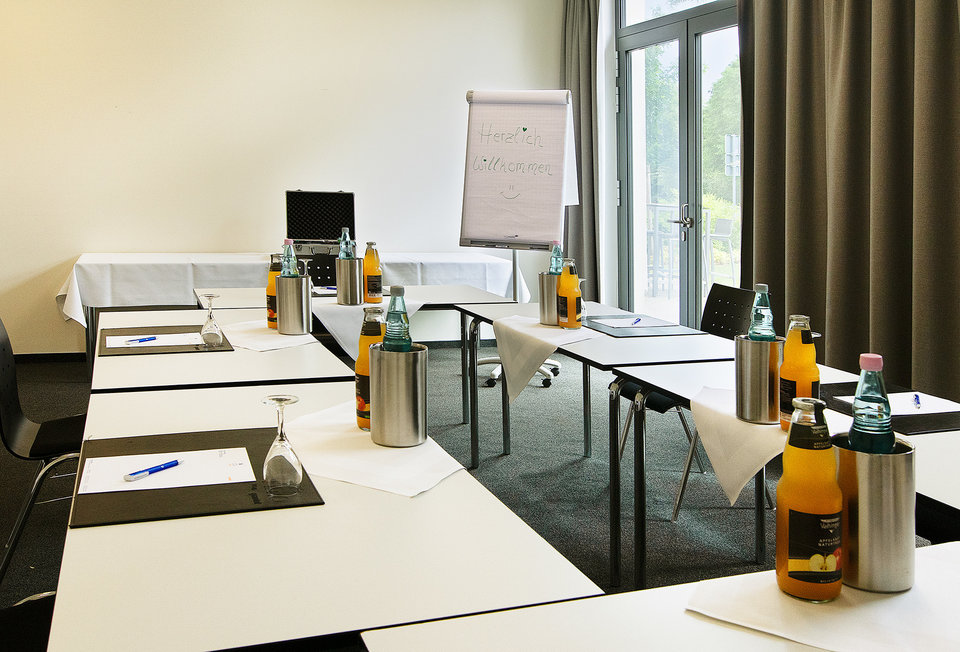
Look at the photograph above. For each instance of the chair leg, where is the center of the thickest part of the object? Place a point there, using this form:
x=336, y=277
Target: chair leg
x=42, y=472
x=686, y=472
x=686, y=430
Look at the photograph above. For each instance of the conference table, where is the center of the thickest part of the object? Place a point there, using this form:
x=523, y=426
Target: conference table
x=604, y=353
x=366, y=558
x=742, y=612
x=304, y=363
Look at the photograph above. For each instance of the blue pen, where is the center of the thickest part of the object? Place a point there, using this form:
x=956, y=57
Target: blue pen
x=138, y=475
x=916, y=401
x=636, y=321
x=137, y=340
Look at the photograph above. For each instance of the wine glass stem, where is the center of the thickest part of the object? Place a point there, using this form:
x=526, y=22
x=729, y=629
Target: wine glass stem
x=280, y=422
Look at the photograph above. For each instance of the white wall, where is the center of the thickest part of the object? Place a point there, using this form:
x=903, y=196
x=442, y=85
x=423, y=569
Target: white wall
x=177, y=126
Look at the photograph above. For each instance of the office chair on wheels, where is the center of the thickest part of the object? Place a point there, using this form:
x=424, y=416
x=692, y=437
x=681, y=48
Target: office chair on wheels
x=548, y=370
x=49, y=443
x=726, y=314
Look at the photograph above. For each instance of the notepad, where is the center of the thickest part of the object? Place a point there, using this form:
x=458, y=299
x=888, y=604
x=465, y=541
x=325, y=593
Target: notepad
x=197, y=468
x=168, y=339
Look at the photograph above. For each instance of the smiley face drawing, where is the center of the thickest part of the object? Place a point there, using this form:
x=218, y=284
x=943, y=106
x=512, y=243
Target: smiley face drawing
x=510, y=193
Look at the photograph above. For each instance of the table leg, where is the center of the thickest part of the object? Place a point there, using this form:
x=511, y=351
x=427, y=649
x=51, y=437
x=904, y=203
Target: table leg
x=472, y=380
x=464, y=383
x=640, y=492
x=614, y=425
x=505, y=411
x=587, y=414
x=760, y=534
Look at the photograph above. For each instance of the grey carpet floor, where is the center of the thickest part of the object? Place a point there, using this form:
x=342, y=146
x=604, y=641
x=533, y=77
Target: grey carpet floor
x=546, y=479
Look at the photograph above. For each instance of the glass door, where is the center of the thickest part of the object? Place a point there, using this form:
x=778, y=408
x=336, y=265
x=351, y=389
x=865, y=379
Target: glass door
x=679, y=184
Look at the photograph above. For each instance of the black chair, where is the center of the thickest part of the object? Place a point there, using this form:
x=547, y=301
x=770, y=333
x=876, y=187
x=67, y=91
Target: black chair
x=50, y=443
x=726, y=314
x=26, y=625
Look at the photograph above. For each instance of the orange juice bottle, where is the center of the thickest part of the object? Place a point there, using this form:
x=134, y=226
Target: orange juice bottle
x=272, y=274
x=569, y=302
x=809, y=508
x=372, y=275
x=371, y=332
x=799, y=374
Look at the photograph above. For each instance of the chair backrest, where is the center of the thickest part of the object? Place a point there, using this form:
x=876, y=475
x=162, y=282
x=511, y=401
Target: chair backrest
x=11, y=414
x=727, y=311
x=723, y=228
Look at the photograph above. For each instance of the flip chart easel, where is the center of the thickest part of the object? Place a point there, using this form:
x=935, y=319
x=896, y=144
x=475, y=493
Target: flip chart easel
x=520, y=170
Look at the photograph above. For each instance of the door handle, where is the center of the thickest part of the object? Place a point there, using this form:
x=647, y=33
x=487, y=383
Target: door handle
x=685, y=220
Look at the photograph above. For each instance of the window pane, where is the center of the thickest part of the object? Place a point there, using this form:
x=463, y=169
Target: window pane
x=655, y=184
x=637, y=11
x=720, y=157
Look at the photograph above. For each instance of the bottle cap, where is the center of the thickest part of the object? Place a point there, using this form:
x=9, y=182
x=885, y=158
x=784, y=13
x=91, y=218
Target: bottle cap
x=396, y=290
x=371, y=244
x=760, y=287
x=556, y=242
x=871, y=361
x=287, y=241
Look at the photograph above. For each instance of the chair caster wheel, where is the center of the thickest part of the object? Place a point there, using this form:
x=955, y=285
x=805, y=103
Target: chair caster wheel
x=546, y=382
x=555, y=371
x=490, y=382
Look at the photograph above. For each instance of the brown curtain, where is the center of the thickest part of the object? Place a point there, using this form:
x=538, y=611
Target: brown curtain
x=852, y=177
x=580, y=24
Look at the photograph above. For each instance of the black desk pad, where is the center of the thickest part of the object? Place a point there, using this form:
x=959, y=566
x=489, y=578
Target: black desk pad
x=181, y=502
x=157, y=330
x=590, y=322
x=904, y=424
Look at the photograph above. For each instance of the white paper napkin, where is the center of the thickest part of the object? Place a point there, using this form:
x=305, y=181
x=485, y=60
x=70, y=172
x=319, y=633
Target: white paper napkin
x=524, y=344
x=256, y=336
x=329, y=444
x=737, y=449
x=923, y=618
x=343, y=322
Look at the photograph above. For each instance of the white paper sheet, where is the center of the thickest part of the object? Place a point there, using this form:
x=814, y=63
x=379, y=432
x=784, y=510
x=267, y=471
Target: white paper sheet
x=737, y=449
x=633, y=322
x=922, y=618
x=523, y=344
x=161, y=339
x=213, y=466
x=330, y=445
x=257, y=336
x=902, y=403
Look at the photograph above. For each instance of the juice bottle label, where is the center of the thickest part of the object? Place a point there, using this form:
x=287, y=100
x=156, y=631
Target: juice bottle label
x=272, y=310
x=814, y=548
x=363, y=396
x=375, y=285
x=788, y=392
x=813, y=437
x=562, y=307
x=579, y=310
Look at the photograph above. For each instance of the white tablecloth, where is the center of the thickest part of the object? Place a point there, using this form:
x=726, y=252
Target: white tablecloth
x=145, y=279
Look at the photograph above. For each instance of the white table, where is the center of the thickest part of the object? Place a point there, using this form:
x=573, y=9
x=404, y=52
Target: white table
x=309, y=362
x=602, y=353
x=100, y=280
x=365, y=559
x=658, y=619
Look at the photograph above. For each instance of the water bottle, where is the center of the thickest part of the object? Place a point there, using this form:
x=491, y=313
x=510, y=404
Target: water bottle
x=288, y=260
x=346, y=245
x=761, y=323
x=871, y=431
x=397, y=336
x=556, y=259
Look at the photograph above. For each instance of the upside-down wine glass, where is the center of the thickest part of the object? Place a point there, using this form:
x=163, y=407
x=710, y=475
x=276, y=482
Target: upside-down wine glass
x=282, y=471
x=210, y=333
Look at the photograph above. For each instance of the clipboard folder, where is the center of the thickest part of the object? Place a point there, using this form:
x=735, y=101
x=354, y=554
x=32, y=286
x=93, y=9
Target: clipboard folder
x=181, y=502
x=904, y=424
x=591, y=322
x=157, y=330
